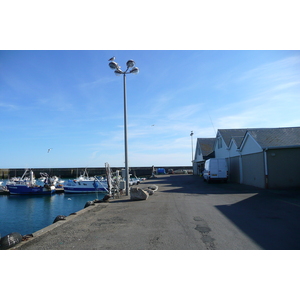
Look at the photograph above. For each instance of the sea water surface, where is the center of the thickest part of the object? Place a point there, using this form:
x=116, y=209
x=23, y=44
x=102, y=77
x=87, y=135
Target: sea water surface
x=27, y=214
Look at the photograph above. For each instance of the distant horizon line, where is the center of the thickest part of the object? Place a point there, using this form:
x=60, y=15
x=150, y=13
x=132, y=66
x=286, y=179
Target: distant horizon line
x=155, y=166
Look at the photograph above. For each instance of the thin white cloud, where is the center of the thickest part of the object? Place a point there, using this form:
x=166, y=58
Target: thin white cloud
x=268, y=97
x=272, y=111
x=9, y=106
x=56, y=102
x=281, y=70
x=287, y=85
x=85, y=112
x=184, y=112
x=98, y=82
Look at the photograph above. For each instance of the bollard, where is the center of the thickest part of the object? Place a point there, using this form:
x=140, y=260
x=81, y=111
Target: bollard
x=10, y=240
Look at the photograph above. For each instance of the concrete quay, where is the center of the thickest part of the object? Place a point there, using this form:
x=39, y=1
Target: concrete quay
x=76, y=171
x=184, y=214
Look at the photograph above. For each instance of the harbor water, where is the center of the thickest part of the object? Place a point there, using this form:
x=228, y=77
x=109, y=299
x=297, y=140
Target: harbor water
x=27, y=214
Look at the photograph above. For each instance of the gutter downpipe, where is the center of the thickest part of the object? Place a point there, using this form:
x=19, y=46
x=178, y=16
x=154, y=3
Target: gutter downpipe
x=241, y=166
x=266, y=169
x=228, y=164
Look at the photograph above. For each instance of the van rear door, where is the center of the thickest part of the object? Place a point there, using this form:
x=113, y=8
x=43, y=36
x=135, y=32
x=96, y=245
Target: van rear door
x=222, y=168
x=213, y=168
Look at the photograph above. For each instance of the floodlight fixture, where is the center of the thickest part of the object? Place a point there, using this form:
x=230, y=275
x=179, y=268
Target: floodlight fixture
x=131, y=69
x=118, y=72
x=130, y=63
x=113, y=65
x=134, y=70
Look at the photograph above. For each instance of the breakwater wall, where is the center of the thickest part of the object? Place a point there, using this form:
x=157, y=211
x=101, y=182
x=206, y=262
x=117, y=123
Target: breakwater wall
x=75, y=172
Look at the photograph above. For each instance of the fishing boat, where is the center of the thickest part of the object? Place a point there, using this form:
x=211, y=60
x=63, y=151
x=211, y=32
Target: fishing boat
x=85, y=184
x=54, y=180
x=3, y=189
x=27, y=185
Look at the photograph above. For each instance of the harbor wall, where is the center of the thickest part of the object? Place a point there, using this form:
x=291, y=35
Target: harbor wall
x=75, y=172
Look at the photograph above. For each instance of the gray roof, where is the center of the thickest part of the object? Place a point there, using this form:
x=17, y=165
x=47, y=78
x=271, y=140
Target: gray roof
x=265, y=137
x=276, y=137
x=206, y=145
x=238, y=140
x=227, y=134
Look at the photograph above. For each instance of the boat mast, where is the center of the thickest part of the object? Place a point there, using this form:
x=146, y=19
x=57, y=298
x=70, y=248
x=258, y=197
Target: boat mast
x=31, y=178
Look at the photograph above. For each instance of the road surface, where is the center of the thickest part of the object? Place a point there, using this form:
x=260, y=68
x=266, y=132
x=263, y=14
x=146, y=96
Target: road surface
x=184, y=214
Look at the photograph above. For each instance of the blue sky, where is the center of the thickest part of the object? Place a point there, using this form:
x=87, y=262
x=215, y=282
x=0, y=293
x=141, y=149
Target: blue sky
x=72, y=102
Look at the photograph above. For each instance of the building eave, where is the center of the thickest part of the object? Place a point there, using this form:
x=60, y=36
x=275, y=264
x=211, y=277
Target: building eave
x=282, y=147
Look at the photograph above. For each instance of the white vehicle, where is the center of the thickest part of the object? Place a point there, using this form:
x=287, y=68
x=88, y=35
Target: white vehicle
x=215, y=169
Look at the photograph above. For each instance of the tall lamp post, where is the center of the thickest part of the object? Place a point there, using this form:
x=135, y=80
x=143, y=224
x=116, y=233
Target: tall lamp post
x=191, y=134
x=131, y=69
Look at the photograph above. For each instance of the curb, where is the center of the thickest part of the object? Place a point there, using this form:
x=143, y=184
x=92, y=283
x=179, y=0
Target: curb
x=51, y=227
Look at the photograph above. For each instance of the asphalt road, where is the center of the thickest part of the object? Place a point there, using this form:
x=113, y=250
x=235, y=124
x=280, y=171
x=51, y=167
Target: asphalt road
x=185, y=213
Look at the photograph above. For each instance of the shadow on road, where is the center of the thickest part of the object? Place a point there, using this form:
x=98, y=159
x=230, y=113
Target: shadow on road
x=195, y=185
x=271, y=223
x=270, y=218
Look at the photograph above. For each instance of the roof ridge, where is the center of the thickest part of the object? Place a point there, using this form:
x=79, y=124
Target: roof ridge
x=255, y=128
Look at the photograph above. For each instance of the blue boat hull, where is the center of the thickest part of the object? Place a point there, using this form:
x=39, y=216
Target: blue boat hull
x=25, y=190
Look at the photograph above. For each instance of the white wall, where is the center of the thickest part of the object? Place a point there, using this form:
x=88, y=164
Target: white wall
x=250, y=146
x=198, y=157
x=221, y=152
x=233, y=150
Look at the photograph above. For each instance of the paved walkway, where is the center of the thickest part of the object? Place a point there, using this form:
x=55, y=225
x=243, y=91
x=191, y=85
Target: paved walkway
x=185, y=213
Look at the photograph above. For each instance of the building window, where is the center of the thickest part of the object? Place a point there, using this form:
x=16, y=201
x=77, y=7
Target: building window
x=219, y=142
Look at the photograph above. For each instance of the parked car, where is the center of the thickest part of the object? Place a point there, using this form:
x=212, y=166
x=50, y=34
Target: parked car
x=215, y=169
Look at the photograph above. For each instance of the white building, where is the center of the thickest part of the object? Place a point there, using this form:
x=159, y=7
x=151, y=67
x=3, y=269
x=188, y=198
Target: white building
x=204, y=151
x=262, y=157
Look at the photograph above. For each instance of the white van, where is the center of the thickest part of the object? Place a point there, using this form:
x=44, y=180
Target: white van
x=215, y=169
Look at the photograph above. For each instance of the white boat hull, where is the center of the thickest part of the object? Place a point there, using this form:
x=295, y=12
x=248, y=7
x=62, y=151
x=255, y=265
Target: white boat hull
x=85, y=186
